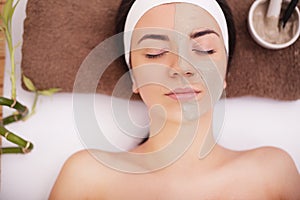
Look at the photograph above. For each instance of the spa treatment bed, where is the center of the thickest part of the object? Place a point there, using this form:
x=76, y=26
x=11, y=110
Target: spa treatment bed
x=251, y=119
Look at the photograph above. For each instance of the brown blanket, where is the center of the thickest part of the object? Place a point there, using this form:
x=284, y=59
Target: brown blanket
x=59, y=34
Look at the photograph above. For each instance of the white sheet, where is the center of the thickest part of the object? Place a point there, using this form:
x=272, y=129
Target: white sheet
x=250, y=122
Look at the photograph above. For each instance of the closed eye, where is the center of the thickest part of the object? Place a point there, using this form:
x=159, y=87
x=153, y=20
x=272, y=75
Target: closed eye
x=156, y=55
x=203, y=52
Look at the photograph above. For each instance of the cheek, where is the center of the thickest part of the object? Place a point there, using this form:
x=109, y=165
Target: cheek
x=213, y=67
x=135, y=58
x=221, y=63
x=218, y=63
x=150, y=94
x=214, y=80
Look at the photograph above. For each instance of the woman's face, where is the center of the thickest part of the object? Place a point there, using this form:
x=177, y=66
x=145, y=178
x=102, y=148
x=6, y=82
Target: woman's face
x=178, y=59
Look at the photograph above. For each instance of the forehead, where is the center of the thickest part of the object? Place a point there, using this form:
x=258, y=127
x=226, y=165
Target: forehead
x=182, y=17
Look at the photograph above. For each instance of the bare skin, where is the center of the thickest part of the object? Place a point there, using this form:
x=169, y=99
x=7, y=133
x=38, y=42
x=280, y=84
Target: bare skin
x=237, y=175
x=263, y=173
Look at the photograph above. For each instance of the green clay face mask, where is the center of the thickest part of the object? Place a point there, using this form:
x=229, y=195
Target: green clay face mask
x=203, y=48
x=198, y=33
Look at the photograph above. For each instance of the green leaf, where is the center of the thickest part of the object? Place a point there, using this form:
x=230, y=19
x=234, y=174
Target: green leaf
x=49, y=92
x=7, y=9
x=13, y=9
x=29, y=84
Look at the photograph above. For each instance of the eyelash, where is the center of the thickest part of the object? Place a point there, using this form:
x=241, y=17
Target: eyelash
x=212, y=51
x=154, y=56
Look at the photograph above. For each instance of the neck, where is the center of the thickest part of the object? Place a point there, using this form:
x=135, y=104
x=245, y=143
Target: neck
x=195, y=137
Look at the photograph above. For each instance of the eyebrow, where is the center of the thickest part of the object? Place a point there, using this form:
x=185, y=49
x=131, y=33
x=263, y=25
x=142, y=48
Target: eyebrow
x=202, y=33
x=155, y=37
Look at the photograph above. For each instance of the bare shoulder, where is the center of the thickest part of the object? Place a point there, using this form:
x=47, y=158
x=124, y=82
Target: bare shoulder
x=273, y=157
x=80, y=176
x=278, y=169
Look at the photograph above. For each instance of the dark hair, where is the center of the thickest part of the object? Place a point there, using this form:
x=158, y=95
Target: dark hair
x=126, y=5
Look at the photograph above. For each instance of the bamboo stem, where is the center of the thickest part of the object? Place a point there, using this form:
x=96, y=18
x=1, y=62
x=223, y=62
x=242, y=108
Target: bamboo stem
x=15, y=105
x=13, y=75
x=11, y=119
x=8, y=150
x=24, y=145
x=22, y=111
x=12, y=62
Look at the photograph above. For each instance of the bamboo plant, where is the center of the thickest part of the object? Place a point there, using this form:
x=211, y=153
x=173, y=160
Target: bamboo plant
x=21, y=111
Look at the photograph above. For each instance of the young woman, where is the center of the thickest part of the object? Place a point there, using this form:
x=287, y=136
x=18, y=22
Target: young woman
x=179, y=53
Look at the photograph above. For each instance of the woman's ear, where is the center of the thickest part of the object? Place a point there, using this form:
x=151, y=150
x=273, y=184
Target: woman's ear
x=134, y=87
x=225, y=84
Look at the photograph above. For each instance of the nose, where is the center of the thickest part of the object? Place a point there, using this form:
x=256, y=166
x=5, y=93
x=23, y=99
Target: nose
x=177, y=73
x=180, y=68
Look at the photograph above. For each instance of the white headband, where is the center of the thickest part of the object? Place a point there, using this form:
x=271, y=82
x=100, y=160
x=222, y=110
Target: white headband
x=140, y=7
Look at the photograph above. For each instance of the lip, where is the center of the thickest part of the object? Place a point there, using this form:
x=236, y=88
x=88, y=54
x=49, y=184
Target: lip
x=183, y=93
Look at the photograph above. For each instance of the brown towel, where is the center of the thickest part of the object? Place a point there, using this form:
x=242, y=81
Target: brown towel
x=58, y=35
